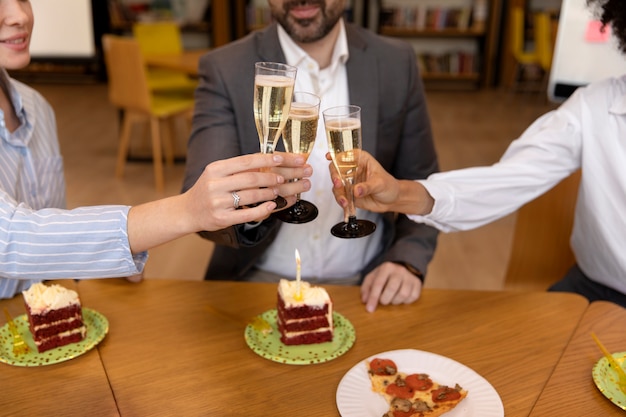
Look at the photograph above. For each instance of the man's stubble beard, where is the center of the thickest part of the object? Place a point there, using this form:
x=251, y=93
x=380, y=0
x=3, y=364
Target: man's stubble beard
x=309, y=30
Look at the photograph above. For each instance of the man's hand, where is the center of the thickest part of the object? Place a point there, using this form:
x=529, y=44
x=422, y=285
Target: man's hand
x=389, y=283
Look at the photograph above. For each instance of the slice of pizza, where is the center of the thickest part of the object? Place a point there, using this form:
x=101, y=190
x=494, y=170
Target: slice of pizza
x=411, y=395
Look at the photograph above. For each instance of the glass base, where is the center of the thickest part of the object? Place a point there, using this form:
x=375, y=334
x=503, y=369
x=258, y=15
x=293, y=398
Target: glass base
x=281, y=203
x=353, y=229
x=301, y=212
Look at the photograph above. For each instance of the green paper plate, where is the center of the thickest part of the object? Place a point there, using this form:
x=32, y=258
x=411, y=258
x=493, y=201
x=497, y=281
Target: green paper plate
x=270, y=347
x=607, y=381
x=97, y=327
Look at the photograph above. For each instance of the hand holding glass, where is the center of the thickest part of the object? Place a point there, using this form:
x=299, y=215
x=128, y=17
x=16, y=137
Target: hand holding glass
x=299, y=137
x=273, y=91
x=343, y=130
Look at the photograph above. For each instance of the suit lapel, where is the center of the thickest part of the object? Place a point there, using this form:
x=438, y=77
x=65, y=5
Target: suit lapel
x=363, y=84
x=269, y=46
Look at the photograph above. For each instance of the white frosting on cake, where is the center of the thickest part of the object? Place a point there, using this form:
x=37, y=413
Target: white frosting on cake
x=311, y=296
x=40, y=297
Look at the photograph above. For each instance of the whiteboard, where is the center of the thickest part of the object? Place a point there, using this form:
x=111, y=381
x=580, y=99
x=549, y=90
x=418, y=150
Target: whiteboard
x=63, y=29
x=581, y=54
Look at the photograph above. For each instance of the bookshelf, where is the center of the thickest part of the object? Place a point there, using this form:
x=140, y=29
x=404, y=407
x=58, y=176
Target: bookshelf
x=456, y=40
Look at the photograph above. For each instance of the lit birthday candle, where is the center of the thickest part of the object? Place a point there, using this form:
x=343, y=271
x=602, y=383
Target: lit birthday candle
x=298, y=296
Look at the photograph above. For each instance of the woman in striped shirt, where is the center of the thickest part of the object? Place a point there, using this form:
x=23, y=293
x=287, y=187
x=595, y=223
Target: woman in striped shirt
x=40, y=239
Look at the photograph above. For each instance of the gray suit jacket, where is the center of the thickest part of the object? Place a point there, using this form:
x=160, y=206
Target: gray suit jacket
x=383, y=80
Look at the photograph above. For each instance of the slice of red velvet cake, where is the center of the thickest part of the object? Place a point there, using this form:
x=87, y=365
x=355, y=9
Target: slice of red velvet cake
x=304, y=319
x=54, y=315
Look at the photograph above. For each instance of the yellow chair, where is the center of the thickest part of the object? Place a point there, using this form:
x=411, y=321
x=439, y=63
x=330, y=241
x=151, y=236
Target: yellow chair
x=159, y=38
x=128, y=90
x=540, y=56
x=522, y=56
x=541, y=254
x=543, y=40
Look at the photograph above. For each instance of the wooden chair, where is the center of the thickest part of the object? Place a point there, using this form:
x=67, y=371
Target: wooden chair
x=128, y=90
x=541, y=254
x=159, y=38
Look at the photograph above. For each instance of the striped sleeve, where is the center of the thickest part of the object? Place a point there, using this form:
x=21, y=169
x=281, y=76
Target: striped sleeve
x=89, y=242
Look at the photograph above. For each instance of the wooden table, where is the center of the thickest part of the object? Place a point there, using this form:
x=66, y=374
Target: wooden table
x=571, y=391
x=169, y=353
x=72, y=388
x=186, y=62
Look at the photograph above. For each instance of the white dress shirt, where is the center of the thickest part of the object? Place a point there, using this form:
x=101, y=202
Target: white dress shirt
x=588, y=131
x=51, y=243
x=323, y=255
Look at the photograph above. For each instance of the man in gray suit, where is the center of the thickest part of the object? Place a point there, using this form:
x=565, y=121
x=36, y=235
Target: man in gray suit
x=343, y=64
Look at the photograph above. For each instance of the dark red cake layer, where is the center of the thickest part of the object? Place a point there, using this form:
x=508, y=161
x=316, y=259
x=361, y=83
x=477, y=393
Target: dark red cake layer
x=59, y=327
x=302, y=324
x=300, y=312
x=308, y=338
x=62, y=319
x=53, y=315
x=56, y=341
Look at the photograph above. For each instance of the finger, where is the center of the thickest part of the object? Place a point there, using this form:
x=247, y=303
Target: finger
x=363, y=189
x=244, y=181
x=409, y=292
x=251, y=196
x=242, y=163
x=404, y=292
x=392, y=286
x=254, y=162
x=294, y=173
x=292, y=160
x=250, y=214
x=334, y=176
x=340, y=195
x=293, y=188
x=375, y=290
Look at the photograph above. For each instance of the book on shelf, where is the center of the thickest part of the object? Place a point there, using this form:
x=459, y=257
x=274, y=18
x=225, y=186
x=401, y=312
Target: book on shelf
x=452, y=63
x=431, y=18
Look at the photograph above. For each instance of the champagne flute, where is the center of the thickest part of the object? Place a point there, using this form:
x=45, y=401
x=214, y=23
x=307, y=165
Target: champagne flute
x=299, y=137
x=273, y=91
x=343, y=130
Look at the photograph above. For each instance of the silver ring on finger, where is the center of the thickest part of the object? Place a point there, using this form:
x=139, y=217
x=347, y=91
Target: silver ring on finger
x=235, y=199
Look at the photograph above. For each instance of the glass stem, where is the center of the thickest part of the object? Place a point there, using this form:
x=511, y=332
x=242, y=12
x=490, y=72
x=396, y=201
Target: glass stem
x=350, y=210
x=297, y=195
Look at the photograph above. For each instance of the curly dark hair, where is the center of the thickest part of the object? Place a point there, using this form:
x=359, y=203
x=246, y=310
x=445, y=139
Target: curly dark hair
x=612, y=13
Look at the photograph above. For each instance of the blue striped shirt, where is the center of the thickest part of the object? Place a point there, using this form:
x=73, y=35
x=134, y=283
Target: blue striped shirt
x=38, y=238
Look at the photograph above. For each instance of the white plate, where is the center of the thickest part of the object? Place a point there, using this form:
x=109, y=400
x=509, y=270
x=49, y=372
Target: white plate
x=355, y=397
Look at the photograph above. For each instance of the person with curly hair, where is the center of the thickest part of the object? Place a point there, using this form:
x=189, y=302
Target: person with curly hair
x=587, y=132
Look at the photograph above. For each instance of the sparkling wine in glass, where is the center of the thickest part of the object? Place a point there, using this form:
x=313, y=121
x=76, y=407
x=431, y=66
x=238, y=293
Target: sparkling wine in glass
x=343, y=130
x=299, y=137
x=273, y=91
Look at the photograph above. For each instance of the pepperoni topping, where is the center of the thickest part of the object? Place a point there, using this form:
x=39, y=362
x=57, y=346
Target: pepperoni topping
x=400, y=391
x=383, y=367
x=419, y=382
x=445, y=394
